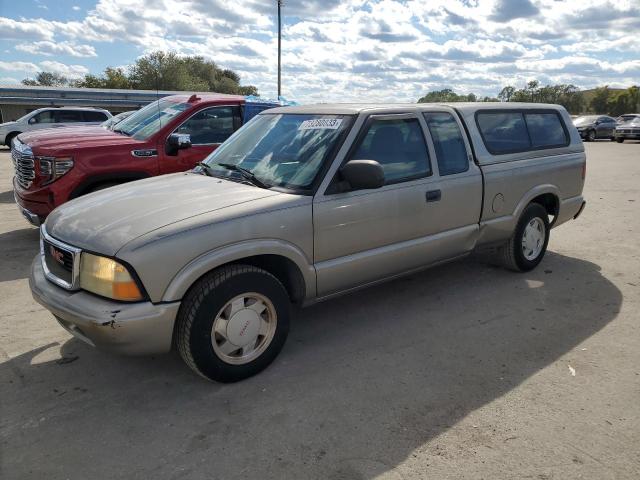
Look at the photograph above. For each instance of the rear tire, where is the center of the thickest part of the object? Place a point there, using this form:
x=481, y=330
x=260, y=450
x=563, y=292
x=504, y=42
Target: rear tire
x=619, y=140
x=528, y=244
x=233, y=323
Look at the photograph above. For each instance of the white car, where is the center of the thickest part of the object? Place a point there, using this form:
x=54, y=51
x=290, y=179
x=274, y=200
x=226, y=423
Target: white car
x=52, y=117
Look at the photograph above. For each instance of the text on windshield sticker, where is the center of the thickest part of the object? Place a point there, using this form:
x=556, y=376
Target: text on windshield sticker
x=321, y=123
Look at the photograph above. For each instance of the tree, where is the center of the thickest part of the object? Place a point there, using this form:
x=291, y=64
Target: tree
x=445, y=96
x=47, y=79
x=598, y=103
x=506, y=93
x=168, y=71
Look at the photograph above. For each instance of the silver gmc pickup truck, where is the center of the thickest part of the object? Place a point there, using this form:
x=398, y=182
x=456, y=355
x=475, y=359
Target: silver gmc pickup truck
x=299, y=205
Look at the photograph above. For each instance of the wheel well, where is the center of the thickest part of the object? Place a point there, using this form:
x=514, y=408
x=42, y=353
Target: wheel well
x=10, y=136
x=285, y=270
x=550, y=203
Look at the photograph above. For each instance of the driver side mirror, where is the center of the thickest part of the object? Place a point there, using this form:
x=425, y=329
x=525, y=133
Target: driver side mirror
x=32, y=120
x=363, y=174
x=177, y=141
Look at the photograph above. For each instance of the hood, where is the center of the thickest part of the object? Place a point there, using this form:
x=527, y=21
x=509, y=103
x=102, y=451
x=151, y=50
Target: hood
x=107, y=220
x=6, y=124
x=75, y=137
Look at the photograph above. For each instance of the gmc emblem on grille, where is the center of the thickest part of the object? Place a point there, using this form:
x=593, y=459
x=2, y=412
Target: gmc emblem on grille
x=57, y=255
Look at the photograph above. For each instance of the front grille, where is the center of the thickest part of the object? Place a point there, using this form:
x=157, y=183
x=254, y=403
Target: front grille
x=23, y=164
x=59, y=261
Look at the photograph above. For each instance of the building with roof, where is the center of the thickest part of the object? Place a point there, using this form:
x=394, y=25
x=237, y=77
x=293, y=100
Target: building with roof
x=17, y=101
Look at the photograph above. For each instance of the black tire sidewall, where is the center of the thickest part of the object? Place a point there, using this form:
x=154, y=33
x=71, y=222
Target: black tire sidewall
x=533, y=210
x=591, y=135
x=208, y=363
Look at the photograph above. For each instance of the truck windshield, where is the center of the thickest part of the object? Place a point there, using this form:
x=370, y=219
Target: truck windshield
x=150, y=119
x=281, y=150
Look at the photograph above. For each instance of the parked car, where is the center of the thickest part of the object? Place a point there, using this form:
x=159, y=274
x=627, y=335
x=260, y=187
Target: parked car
x=592, y=127
x=51, y=117
x=166, y=136
x=303, y=204
x=117, y=119
x=626, y=117
x=629, y=130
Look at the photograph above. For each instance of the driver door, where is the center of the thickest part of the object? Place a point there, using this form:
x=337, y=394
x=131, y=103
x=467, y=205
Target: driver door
x=208, y=128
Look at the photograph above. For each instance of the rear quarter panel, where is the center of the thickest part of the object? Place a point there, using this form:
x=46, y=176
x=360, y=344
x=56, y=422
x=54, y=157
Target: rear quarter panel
x=513, y=180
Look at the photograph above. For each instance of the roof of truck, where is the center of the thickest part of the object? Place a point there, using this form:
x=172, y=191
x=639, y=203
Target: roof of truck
x=355, y=108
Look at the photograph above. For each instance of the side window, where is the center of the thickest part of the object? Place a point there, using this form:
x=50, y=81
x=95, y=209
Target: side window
x=399, y=146
x=44, y=117
x=211, y=125
x=68, y=116
x=91, y=116
x=503, y=132
x=451, y=151
x=546, y=130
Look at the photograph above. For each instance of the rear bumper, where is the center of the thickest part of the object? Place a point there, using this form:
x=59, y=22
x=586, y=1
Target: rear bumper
x=127, y=328
x=570, y=208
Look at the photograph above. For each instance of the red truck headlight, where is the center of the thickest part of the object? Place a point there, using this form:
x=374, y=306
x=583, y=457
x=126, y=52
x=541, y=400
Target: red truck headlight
x=52, y=168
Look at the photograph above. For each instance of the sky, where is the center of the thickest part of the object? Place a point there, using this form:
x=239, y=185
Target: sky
x=337, y=50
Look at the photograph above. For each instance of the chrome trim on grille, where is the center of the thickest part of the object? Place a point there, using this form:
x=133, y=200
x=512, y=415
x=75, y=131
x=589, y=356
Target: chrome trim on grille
x=75, y=254
x=23, y=163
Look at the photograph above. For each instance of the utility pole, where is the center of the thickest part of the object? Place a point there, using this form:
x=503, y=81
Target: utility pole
x=279, y=50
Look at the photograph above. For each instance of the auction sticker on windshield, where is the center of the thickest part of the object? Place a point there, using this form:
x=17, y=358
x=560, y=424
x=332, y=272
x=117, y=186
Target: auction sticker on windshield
x=321, y=123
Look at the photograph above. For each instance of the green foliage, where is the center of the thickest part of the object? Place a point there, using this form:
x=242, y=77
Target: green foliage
x=159, y=71
x=445, y=96
x=567, y=95
x=616, y=102
x=47, y=79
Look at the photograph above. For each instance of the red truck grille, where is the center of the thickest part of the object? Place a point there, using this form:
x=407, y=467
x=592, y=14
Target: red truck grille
x=24, y=164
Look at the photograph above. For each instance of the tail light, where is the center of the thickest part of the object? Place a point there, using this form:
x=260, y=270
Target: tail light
x=52, y=168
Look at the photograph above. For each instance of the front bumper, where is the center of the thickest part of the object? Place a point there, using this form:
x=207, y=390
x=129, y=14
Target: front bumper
x=635, y=135
x=141, y=328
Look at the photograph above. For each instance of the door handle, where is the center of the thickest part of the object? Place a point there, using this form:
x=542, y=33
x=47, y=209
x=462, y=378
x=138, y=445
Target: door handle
x=434, y=195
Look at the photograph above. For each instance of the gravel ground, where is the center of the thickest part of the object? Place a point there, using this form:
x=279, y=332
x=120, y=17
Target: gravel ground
x=465, y=371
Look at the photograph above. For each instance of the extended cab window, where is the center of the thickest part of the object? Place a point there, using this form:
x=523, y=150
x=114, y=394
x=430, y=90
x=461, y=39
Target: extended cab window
x=399, y=146
x=451, y=151
x=503, y=132
x=546, y=130
x=211, y=125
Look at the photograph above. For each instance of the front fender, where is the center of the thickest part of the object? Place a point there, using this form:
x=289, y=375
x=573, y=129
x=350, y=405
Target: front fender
x=206, y=262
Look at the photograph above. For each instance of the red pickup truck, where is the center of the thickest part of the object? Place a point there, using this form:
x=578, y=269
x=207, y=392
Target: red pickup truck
x=169, y=135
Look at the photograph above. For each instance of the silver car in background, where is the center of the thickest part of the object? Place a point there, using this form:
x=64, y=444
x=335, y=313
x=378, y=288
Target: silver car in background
x=300, y=205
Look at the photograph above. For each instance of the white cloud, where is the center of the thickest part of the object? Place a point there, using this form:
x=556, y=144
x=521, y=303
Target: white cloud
x=75, y=8
x=57, y=48
x=70, y=71
x=344, y=50
x=18, y=66
x=9, y=81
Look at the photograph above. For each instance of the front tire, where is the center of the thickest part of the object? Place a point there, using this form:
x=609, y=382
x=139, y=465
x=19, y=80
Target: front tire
x=591, y=136
x=620, y=139
x=528, y=244
x=233, y=323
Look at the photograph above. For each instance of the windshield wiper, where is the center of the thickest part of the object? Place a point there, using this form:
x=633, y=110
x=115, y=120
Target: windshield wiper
x=206, y=169
x=120, y=131
x=246, y=174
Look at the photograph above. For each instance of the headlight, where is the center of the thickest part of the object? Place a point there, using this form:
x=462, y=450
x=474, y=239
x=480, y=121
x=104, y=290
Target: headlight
x=105, y=276
x=52, y=168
